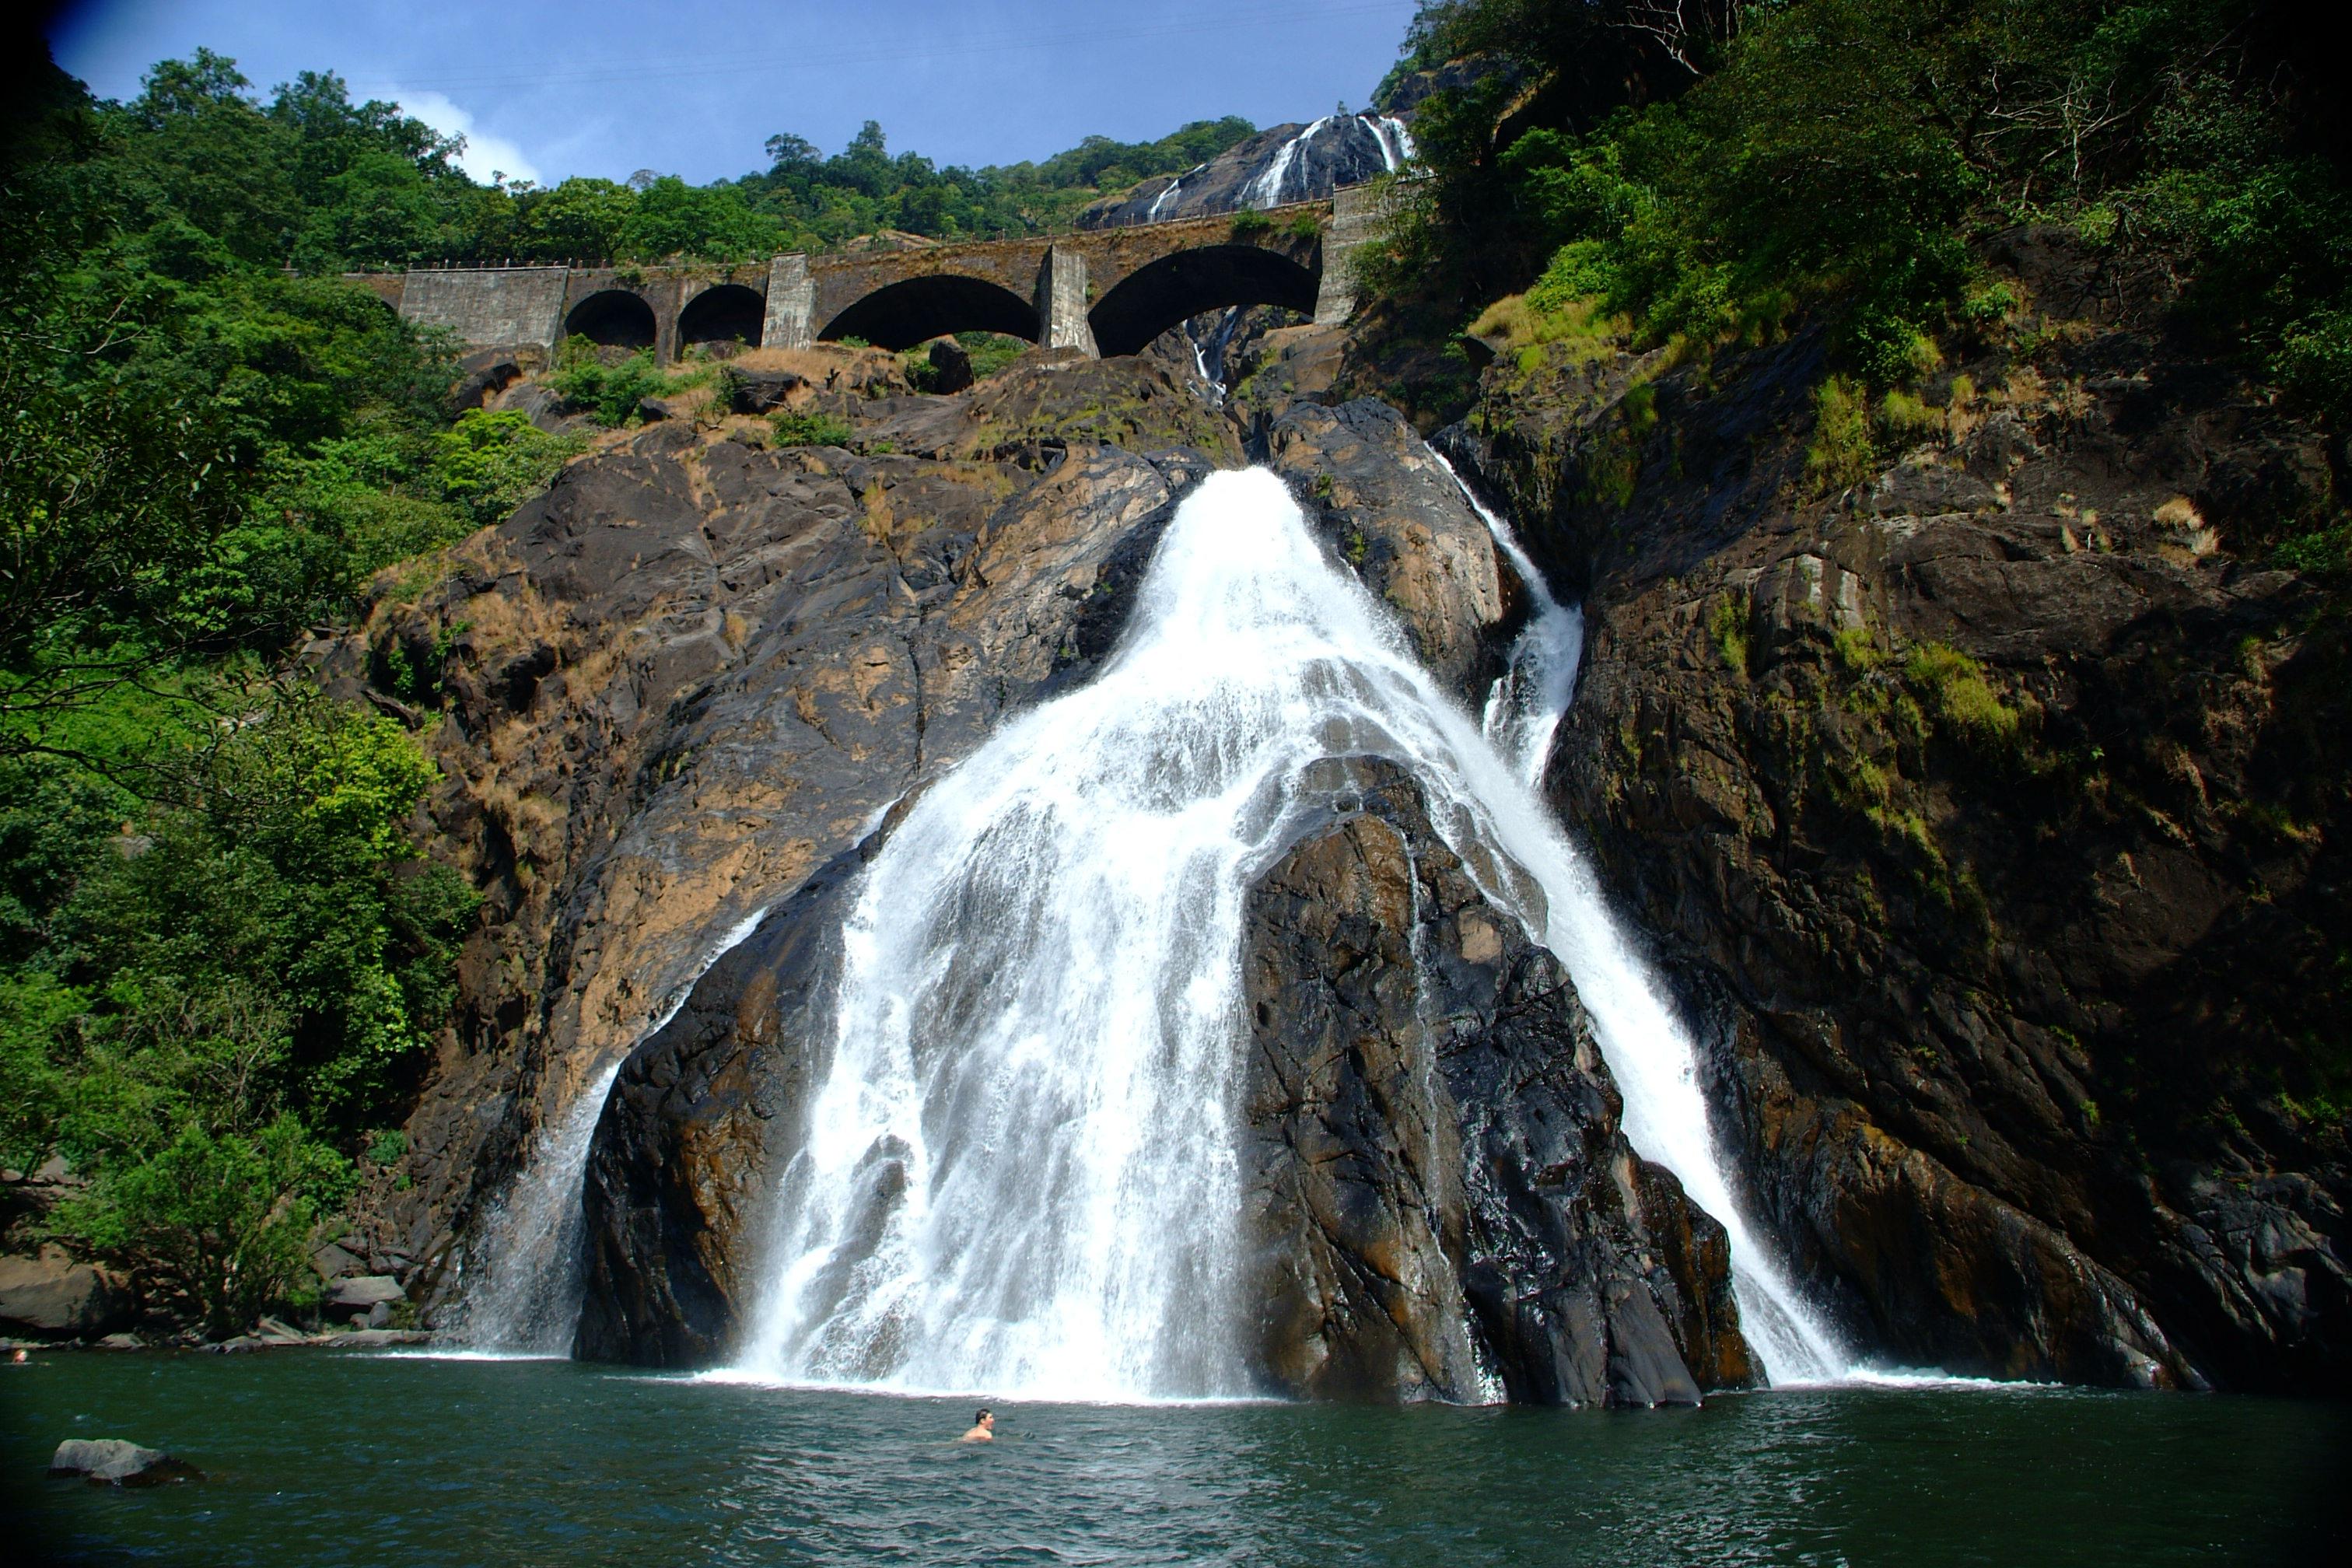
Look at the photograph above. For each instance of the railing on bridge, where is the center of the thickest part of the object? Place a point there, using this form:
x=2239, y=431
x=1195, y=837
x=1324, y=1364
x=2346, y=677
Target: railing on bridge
x=1063, y=231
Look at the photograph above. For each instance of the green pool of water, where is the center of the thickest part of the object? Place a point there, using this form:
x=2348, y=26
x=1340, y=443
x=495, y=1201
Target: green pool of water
x=318, y=1457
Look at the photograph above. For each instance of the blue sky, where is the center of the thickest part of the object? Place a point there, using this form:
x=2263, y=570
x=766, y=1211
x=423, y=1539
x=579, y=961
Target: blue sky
x=695, y=87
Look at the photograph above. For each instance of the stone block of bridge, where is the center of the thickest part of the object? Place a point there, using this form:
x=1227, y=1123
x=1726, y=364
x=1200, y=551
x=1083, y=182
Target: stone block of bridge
x=490, y=307
x=1355, y=221
x=792, y=304
x=1061, y=301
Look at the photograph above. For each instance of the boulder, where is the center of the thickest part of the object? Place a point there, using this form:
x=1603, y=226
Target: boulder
x=543, y=407
x=481, y=377
x=761, y=391
x=1436, y=1179
x=951, y=367
x=363, y=1291
x=53, y=1297
x=114, y=1461
x=332, y=1262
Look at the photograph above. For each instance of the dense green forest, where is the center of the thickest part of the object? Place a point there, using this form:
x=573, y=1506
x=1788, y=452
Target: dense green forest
x=1750, y=166
x=221, y=956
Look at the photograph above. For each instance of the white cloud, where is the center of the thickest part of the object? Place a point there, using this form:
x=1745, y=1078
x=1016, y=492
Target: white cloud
x=485, y=154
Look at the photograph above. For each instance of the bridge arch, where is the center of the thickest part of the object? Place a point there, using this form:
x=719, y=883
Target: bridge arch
x=917, y=309
x=1159, y=294
x=613, y=318
x=723, y=313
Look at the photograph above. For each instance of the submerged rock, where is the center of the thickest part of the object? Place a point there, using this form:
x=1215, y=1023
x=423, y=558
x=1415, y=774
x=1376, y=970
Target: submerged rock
x=1440, y=1196
x=113, y=1461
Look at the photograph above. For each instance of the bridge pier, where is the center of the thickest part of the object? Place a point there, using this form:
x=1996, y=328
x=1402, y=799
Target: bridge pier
x=792, y=304
x=1062, y=303
x=1355, y=217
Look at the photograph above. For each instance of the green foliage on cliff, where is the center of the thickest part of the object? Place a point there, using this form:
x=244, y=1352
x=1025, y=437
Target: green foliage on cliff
x=213, y=989
x=220, y=956
x=1712, y=169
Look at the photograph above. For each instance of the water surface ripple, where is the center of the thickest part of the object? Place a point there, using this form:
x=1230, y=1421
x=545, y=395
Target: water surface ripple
x=335, y=1459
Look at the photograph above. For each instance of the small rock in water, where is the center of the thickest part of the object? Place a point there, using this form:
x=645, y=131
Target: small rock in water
x=122, y=1342
x=112, y=1461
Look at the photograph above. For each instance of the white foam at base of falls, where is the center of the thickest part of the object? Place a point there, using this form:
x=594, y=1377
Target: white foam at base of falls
x=527, y=1299
x=1020, y=1170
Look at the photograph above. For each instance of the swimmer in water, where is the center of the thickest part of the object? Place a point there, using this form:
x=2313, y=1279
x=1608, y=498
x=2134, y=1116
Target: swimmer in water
x=984, y=1429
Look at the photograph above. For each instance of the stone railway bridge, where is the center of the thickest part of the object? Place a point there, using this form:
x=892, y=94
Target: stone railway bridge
x=1100, y=291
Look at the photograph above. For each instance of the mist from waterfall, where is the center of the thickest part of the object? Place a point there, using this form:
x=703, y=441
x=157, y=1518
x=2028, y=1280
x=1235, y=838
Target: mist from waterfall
x=1021, y=1168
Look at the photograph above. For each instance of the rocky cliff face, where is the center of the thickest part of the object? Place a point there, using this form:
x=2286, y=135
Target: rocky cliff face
x=695, y=672
x=706, y=1111
x=1439, y=1202
x=1989, y=810
x=1291, y=162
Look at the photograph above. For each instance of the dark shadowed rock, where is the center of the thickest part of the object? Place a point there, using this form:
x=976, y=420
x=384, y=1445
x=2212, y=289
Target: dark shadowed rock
x=1438, y=1186
x=951, y=367
x=1991, y=812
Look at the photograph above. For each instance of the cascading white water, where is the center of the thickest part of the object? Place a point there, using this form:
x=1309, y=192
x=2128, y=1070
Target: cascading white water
x=1651, y=1054
x=1395, y=140
x=1209, y=357
x=528, y=1301
x=1152, y=216
x=1020, y=1169
x=1265, y=191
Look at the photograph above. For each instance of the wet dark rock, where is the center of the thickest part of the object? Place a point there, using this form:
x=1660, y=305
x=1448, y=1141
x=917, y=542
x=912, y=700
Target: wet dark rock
x=1343, y=150
x=1399, y=520
x=690, y=676
x=1989, y=816
x=113, y=1461
x=1436, y=1179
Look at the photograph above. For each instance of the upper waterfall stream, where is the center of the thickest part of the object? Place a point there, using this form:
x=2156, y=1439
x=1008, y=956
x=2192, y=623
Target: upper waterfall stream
x=1020, y=1173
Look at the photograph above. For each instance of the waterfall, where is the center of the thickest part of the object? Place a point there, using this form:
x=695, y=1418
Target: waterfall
x=1649, y=1053
x=1208, y=358
x=1021, y=1168
x=1152, y=216
x=1396, y=141
x=528, y=1301
x=1265, y=191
